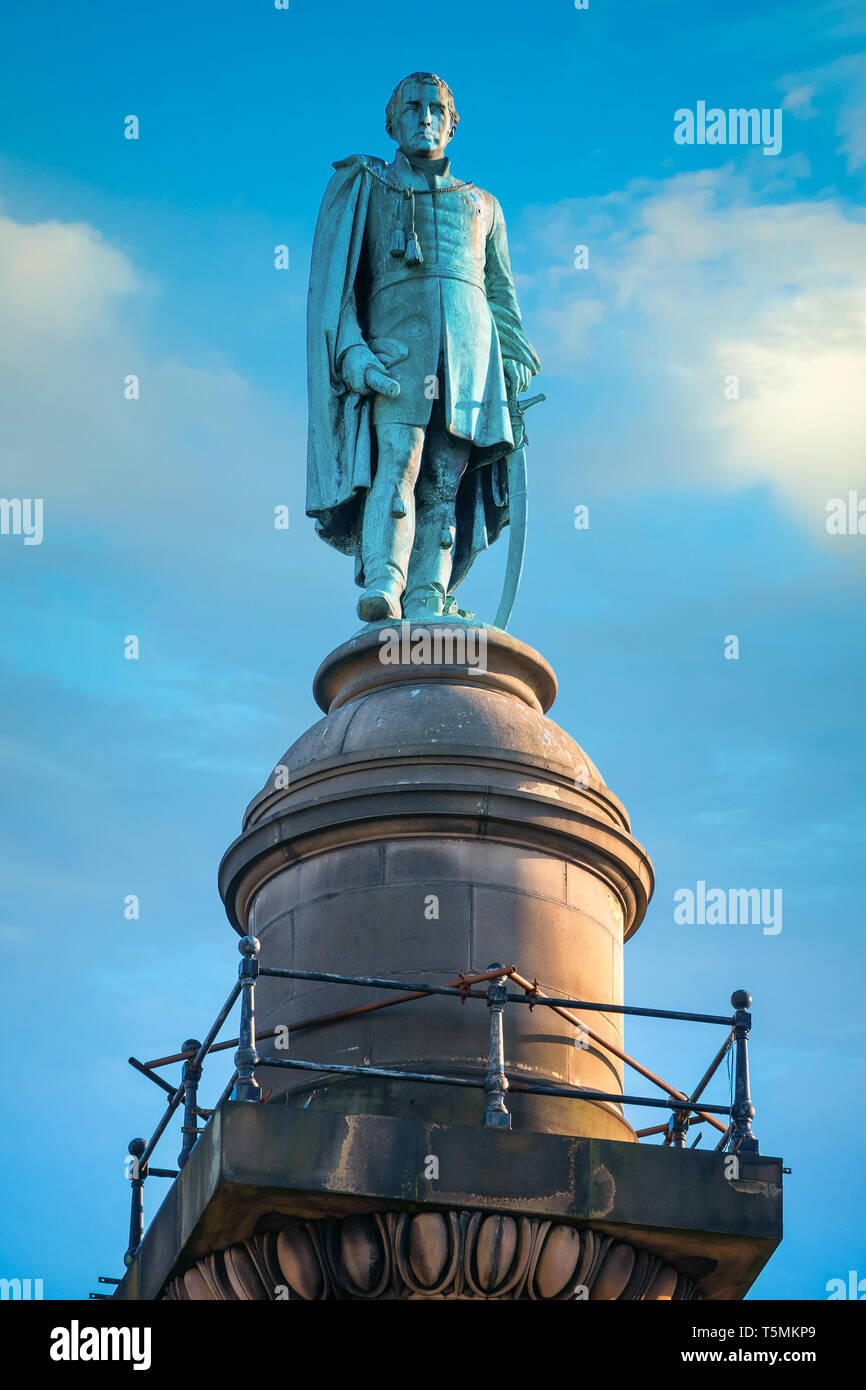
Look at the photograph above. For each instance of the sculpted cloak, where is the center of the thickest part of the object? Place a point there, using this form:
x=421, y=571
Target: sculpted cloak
x=457, y=311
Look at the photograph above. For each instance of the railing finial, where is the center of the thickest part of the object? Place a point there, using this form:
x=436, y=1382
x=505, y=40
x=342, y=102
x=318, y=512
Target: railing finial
x=246, y=1057
x=190, y=1078
x=496, y=1114
x=136, y=1213
x=743, y=1141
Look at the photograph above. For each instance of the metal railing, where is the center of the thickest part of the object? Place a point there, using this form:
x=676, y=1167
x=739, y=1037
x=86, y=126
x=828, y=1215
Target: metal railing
x=736, y=1134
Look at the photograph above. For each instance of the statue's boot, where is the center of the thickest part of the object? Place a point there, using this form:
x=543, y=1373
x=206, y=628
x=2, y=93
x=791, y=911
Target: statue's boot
x=386, y=541
x=381, y=599
x=430, y=564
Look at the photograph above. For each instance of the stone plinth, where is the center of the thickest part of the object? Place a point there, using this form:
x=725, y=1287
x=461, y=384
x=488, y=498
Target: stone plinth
x=275, y=1205
x=436, y=821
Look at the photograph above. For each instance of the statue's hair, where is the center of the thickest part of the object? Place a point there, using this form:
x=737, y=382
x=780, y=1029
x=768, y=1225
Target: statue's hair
x=392, y=110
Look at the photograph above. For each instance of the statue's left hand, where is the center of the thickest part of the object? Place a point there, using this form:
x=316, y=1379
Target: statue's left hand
x=517, y=376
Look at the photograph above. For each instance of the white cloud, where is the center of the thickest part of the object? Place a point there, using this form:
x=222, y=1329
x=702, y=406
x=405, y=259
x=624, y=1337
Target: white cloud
x=799, y=102
x=58, y=280
x=848, y=19
x=840, y=88
x=571, y=324
x=700, y=280
x=852, y=128
x=198, y=446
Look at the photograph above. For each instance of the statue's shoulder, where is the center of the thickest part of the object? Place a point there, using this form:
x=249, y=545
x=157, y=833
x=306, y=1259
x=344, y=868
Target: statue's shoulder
x=490, y=205
x=348, y=178
x=490, y=200
x=359, y=162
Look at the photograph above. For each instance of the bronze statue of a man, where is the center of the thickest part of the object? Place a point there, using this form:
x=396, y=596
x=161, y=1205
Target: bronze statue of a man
x=415, y=346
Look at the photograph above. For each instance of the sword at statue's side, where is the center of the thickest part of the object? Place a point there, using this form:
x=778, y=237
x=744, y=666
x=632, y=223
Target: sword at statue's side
x=517, y=508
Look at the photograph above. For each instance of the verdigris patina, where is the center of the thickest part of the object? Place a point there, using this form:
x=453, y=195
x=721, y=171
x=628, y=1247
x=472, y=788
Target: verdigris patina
x=416, y=358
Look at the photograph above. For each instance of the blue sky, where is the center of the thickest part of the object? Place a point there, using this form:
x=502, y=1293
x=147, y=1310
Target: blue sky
x=707, y=518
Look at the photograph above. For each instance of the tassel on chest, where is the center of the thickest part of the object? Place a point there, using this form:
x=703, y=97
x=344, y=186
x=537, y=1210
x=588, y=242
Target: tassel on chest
x=405, y=245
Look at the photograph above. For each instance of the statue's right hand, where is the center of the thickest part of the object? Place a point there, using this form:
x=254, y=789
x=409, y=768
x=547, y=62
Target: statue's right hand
x=363, y=373
x=384, y=385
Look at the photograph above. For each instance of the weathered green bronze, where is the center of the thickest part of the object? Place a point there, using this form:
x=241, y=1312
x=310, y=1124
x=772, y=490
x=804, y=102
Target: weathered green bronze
x=416, y=357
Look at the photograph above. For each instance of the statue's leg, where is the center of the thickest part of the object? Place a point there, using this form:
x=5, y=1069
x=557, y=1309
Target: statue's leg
x=443, y=464
x=389, y=520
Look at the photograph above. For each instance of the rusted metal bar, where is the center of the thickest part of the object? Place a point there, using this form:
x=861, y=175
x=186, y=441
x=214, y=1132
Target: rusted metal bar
x=712, y=1068
x=227, y=1092
x=217, y=1024
x=179, y=1056
x=160, y=1061
x=143, y=1067
x=161, y=1127
x=676, y=1133
x=177, y=1096
x=617, y=1052
x=538, y=1088
x=218, y=1047
x=654, y=1129
x=458, y=985
x=449, y=988
x=543, y=1088
x=323, y=1019
x=344, y=1069
x=376, y=982
x=205, y=1046
x=551, y=1001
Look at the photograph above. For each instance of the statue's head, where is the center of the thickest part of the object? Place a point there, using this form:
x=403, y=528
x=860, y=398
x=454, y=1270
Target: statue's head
x=421, y=115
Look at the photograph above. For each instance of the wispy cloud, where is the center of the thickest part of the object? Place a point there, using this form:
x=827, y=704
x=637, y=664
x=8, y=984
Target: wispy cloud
x=180, y=453
x=733, y=321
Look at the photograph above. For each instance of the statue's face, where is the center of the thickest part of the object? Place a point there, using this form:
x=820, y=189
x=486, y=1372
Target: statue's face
x=424, y=125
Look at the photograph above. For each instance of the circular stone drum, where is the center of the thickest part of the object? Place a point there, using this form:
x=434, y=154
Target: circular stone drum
x=436, y=822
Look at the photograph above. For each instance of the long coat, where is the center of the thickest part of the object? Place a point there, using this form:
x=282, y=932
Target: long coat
x=458, y=307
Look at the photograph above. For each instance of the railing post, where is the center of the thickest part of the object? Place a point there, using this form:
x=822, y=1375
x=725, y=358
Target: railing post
x=496, y=1082
x=189, y=1080
x=743, y=1140
x=679, y=1126
x=136, y=1213
x=247, y=1087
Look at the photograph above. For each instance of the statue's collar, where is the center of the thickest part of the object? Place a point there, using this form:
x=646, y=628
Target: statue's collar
x=403, y=166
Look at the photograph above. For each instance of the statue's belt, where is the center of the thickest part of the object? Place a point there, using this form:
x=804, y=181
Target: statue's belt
x=426, y=271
